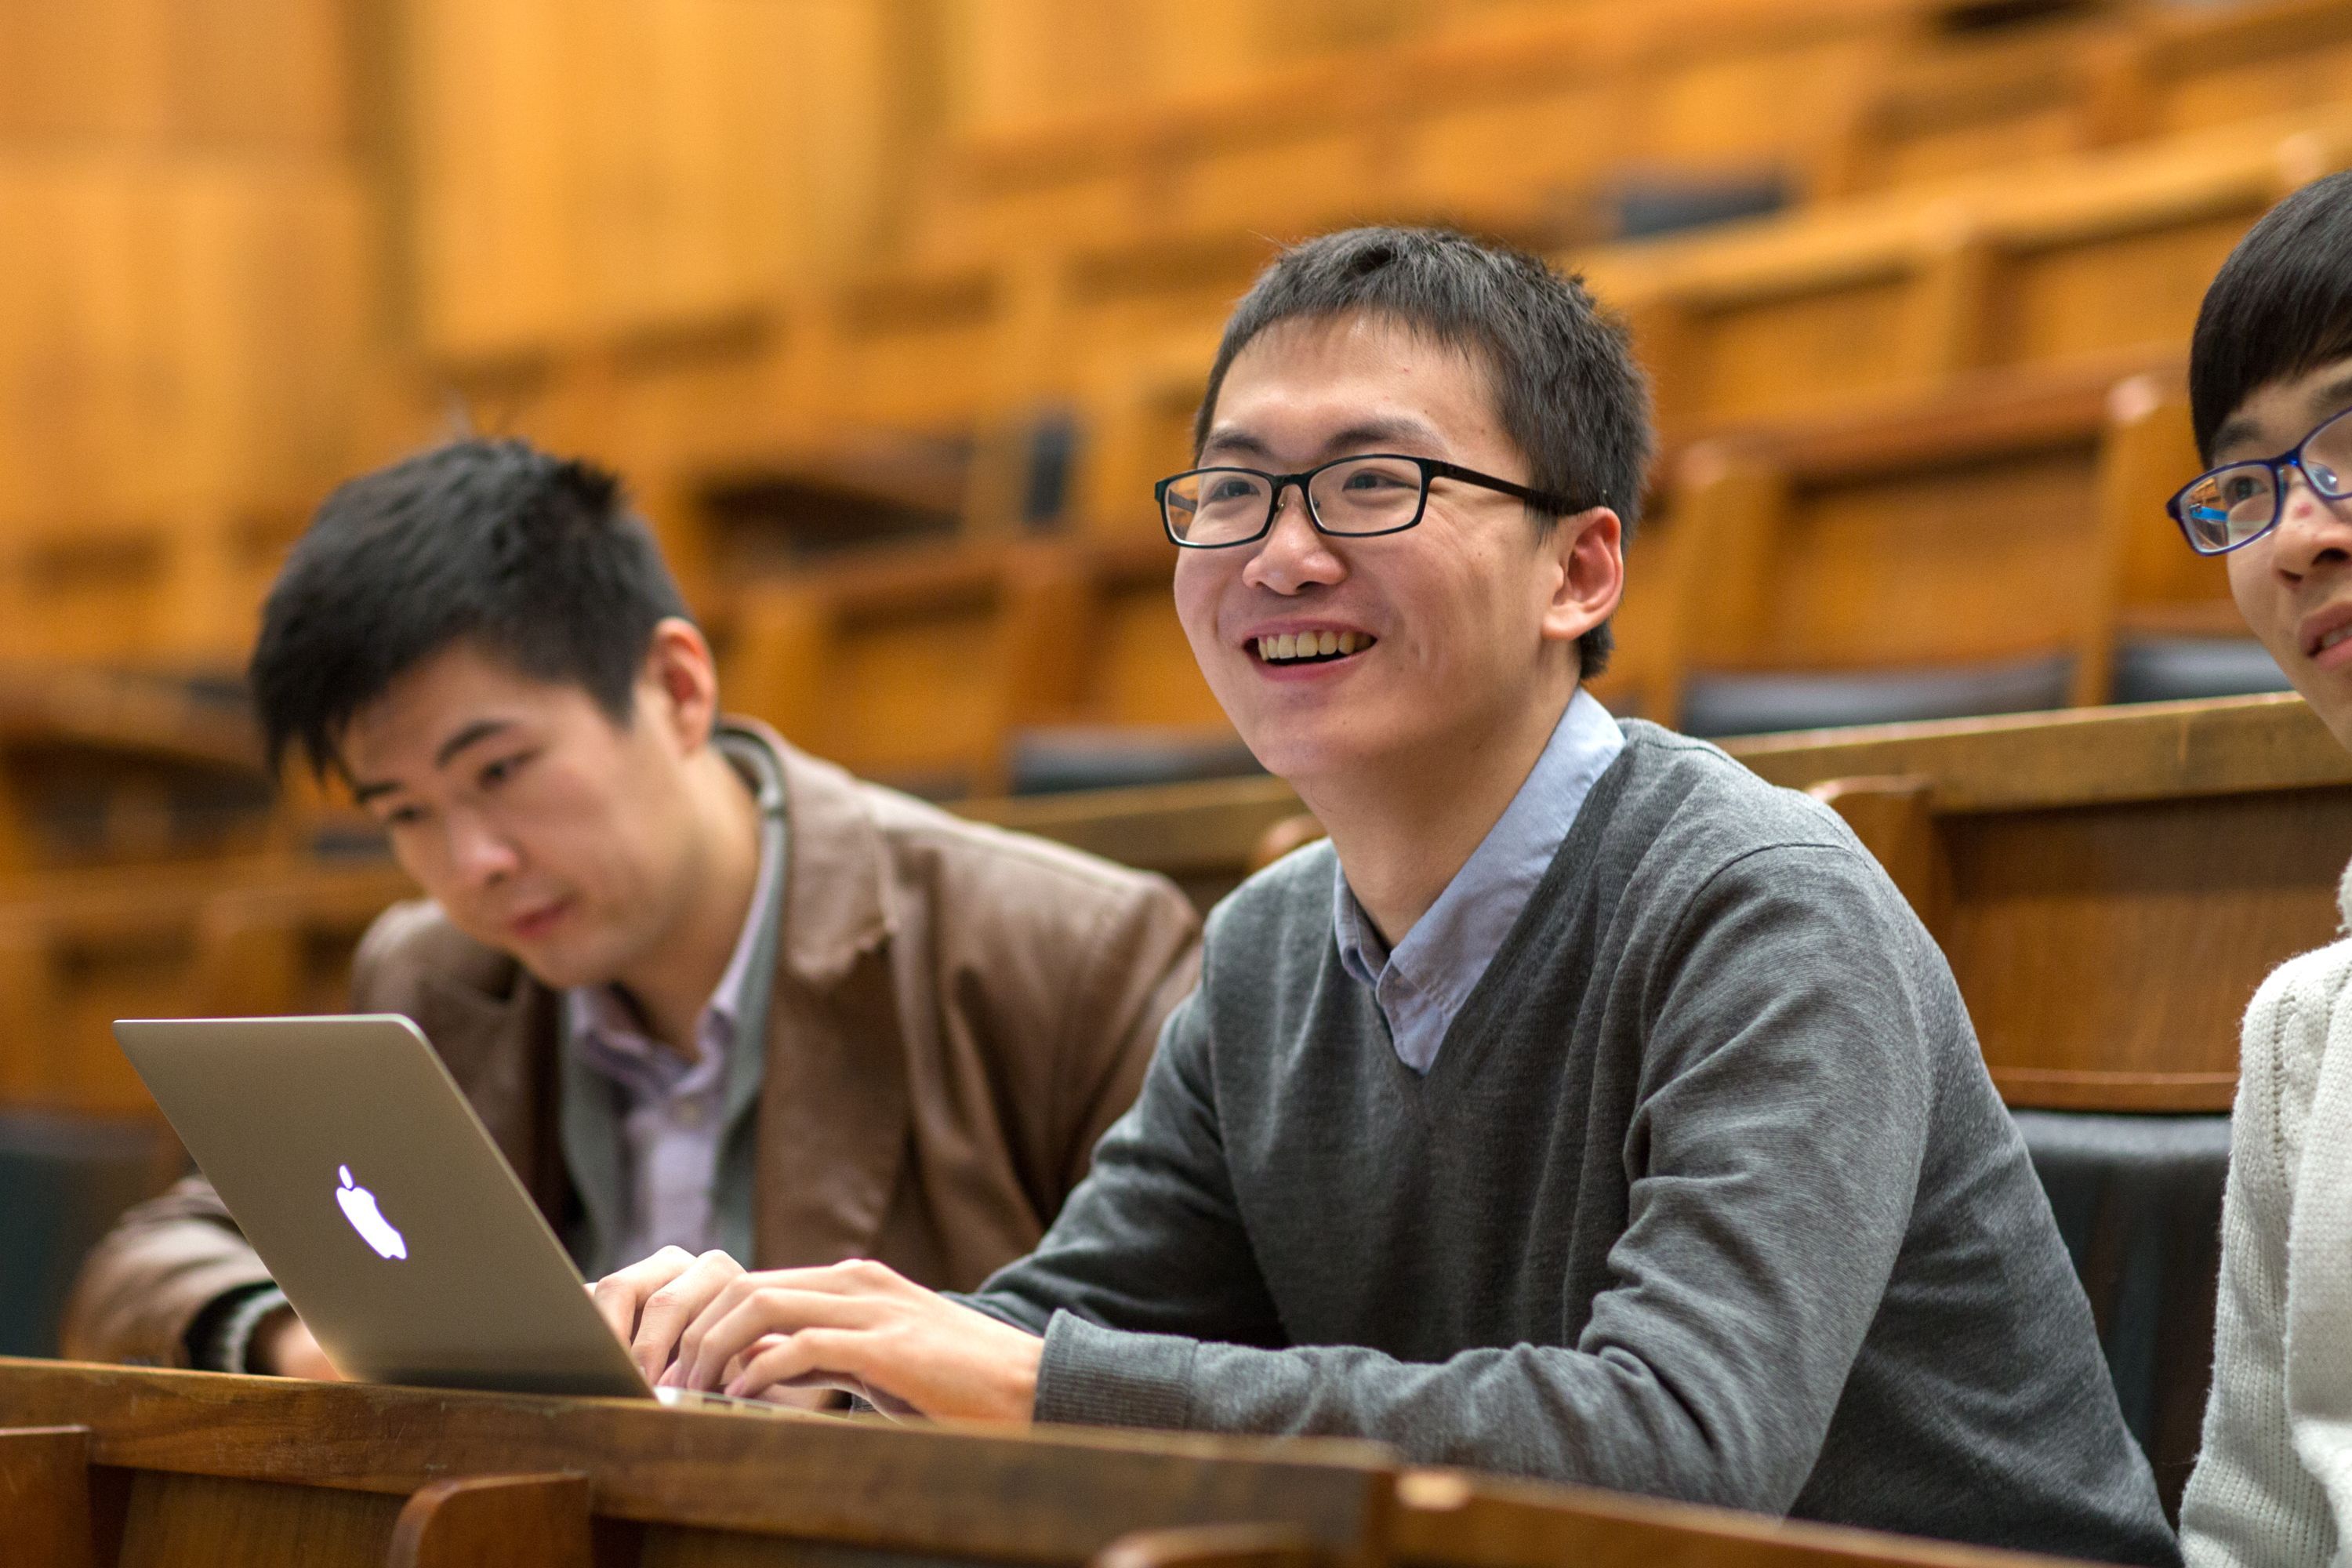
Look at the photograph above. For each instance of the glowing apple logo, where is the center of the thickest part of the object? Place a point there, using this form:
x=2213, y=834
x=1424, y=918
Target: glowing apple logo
x=359, y=1208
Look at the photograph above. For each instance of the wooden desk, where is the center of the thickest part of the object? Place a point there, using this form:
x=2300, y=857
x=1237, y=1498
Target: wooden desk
x=1448, y=1520
x=196, y=1468
x=109, y=1468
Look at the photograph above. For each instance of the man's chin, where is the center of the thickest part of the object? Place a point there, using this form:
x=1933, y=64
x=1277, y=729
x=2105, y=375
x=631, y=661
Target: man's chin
x=1304, y=755
x=559, y=963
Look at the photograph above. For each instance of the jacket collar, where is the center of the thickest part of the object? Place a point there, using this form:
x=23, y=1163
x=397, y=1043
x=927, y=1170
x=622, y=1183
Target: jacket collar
x=836, y=904
x=835, y=1103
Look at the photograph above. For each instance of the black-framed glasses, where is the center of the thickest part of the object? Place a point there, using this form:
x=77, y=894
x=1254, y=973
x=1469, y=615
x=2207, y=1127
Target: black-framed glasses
x=2237, y=503
x=1348, y=497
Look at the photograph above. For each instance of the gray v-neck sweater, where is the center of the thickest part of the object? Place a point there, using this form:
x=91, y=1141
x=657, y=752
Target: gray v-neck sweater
x=1707, y=1195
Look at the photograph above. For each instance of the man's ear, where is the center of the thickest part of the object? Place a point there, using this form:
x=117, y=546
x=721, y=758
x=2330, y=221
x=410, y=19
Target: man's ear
x=678, y=683
x=1584, y=562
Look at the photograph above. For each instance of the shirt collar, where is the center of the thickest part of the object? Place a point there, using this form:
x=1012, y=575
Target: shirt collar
x=604, y=1029
x=1449, y=947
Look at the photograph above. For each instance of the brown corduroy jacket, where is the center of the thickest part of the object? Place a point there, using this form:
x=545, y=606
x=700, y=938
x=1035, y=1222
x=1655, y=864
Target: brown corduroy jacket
x=958, y=1015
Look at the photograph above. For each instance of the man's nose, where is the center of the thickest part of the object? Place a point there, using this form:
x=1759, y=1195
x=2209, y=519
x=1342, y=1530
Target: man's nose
x=1293, y=554
x=478, y=855
x=2313, y=530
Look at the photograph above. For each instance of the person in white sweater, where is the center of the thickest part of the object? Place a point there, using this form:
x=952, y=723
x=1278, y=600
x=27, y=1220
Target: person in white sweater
x=2270, y=391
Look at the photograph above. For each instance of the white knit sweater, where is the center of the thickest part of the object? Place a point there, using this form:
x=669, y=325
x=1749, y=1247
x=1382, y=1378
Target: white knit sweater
x=2273, y=1483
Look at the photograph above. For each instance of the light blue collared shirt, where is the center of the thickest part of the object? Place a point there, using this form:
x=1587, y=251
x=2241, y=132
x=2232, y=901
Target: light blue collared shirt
x=672, y=1118
x=1420, y=985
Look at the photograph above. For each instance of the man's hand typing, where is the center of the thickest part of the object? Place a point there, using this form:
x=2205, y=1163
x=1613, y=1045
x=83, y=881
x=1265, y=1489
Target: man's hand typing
x=857, y=1326
x=649, y=1304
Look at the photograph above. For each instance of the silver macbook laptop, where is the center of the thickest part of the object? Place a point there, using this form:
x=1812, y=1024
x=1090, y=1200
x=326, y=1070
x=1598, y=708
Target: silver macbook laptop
x=360, y=1173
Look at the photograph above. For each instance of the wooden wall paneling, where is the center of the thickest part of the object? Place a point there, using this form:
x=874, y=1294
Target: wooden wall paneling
x=582, y=172
x=350, y=1455
x=181, y=374
x=249, y=957
x=1050, y=638
x=79, y=342
x=44, y=1504
x=486, y=123
x=259, y=77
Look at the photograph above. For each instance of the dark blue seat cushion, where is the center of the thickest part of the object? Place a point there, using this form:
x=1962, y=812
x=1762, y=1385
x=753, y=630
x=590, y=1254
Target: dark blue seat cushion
x=1052, y=761
x=2138, y=1200
x=64, y=1181
x=1726, y=704
x=2171, y=669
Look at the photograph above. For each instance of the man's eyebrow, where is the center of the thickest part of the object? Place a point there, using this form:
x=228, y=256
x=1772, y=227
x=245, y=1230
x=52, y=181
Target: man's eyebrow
x=1236, y=443
x=2235, y=431
x=1393, y=429
x=2331, y=398
x=1376, y=432
x=479, y=730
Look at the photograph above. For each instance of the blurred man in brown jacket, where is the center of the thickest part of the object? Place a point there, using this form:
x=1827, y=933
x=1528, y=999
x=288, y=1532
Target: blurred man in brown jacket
x=705, y=992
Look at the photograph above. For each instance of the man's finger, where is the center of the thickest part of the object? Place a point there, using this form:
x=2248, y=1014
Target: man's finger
x=813, y=1358
x=675, y=1304
x=738, y=1318
x=620, y=1293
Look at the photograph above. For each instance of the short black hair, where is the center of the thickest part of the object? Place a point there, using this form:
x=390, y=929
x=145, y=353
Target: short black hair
x=2280, y=307
x=535, y=558
x=1567, y=388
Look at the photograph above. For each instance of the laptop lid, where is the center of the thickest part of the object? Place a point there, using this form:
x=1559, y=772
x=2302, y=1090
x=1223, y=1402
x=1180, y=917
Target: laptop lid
x=379, y=1202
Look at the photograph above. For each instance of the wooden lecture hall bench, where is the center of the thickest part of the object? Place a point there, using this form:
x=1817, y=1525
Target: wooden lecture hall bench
x=105, y=1466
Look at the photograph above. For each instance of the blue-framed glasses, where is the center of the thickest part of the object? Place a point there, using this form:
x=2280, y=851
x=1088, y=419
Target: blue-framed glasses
x=2237, y=503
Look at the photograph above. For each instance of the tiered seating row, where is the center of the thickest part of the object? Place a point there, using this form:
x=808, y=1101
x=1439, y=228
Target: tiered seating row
x=2109, y=886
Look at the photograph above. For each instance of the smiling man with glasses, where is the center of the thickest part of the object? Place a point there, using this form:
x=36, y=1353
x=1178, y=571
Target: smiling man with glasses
x=2269, y=377
x=1584, y=1107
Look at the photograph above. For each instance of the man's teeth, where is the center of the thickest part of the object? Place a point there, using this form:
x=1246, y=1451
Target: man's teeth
x=1309, y=645
x=2332, y=638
